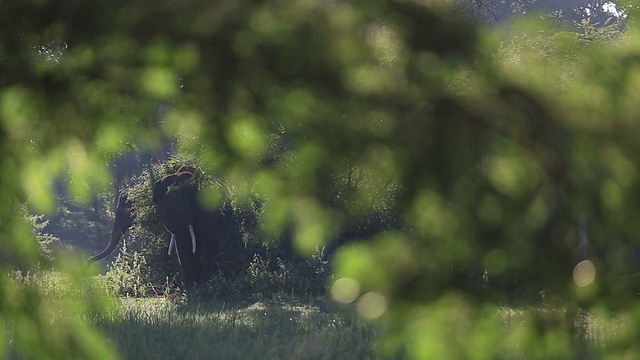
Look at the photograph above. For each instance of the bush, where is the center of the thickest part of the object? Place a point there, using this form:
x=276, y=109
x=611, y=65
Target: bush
x=131, y=276
x=272, y=277
x=258, y=273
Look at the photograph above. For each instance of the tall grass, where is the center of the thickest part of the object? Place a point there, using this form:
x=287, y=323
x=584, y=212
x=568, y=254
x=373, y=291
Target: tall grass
x=161, y=329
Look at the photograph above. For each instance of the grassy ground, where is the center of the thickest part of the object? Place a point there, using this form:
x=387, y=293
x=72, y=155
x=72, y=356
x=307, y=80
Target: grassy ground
x=162, y=329
x=171, y=328
x=157, y=328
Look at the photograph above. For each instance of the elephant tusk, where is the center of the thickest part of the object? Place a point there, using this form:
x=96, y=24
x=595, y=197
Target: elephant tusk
x=193, y=238
x=172, y=243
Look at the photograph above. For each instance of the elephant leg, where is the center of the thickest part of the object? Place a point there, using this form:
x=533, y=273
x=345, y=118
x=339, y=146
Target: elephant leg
x=210, y=229
x=190, y=265
x=209, y=267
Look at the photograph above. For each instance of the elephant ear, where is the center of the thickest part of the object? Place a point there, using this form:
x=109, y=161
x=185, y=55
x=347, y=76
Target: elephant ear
x=187, y=169
x=185, y=175
x=186, y=172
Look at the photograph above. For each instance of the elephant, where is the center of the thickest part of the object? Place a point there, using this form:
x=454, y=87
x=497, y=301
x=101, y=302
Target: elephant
x=196, y=231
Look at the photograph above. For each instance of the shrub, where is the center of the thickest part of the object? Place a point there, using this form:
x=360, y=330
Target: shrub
x=272, y=276
x=129, y=275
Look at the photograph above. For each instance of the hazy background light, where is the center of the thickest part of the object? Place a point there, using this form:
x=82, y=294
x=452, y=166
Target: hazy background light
x=584, y=273
x=372, y=305
x=345, y=290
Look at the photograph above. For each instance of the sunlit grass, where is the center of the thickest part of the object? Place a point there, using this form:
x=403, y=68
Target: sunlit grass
x=172, y=327
x=158, y=328
x=162, y=329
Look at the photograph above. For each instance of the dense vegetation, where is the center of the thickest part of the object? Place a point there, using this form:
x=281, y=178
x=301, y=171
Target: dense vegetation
x=500, y=160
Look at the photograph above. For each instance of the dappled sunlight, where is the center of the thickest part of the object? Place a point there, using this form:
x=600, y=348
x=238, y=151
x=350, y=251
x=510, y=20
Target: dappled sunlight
x=314, y=225
x=187, y=123
x=159, y=82
x=246, y=136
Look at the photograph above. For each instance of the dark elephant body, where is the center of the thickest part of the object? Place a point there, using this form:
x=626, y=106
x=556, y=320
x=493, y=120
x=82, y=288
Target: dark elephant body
x=179, y=210
x=197, y=232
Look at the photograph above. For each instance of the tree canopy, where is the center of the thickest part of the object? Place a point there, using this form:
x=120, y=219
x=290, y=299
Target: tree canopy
x=499, y=149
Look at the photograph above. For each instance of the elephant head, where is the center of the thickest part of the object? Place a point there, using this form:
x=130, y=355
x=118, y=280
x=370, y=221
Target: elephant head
x=122, y=223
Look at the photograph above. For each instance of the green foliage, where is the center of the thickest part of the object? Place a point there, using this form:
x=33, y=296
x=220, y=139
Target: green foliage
x=46, y=314
x=610, y=30
x=489, y=147
x=128, y=275
x=45, y=241
x=81, y=225
x=270, y=278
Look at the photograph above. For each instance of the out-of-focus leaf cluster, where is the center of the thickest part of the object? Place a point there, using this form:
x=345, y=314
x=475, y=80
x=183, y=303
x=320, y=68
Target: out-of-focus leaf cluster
x=491, y=149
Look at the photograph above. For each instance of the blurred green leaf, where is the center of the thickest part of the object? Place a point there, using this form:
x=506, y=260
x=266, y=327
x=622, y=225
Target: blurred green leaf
x=466, y=158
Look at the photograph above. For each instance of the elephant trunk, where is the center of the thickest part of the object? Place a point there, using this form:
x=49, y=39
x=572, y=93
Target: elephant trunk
x=116, y=235
x=122, y=223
